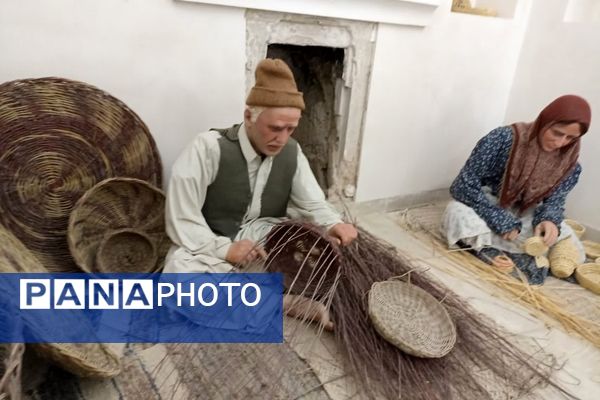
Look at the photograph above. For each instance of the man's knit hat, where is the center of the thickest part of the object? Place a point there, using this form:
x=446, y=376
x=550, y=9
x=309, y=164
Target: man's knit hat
x=275, y=86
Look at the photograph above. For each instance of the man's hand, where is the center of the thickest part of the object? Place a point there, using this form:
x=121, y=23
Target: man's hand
x=548, y=231
x=512, y=235
x=244, y=251
x=304, y=308
x=344, y=233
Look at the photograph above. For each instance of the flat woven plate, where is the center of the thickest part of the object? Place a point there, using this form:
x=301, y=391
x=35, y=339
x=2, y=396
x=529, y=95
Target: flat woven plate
x=411, y=319
x=111, y=206
x=58, y=138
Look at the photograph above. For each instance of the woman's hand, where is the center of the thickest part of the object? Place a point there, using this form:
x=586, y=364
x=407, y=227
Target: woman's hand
x=548, y=231
x=512, y=235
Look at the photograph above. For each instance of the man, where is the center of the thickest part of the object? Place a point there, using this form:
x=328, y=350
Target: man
x=231, y=186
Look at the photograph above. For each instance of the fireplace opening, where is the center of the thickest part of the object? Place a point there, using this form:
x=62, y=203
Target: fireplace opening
x=318, y=72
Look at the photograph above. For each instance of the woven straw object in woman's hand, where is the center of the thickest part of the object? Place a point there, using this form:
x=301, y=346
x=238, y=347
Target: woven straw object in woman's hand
x=535, y=246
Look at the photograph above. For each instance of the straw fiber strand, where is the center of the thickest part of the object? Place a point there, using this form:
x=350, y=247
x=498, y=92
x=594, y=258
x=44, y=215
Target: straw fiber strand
x=57, y=139
x=125, y=214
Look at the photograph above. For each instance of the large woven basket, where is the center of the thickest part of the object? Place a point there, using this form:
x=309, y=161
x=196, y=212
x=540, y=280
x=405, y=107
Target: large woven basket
x=11, y=361
x=588, y=276
x=87, y=360
x=592, y=249
x=57, y=139
x=305, y=256
x=411, y=319
x=564, y=257
x=120, y=224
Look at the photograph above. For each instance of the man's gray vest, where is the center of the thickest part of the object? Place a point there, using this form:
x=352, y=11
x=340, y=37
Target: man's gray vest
x=228, y=197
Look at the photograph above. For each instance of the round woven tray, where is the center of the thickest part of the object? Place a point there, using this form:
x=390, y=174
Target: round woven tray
x=305, y=256
x=411, y=319
x=126, y=250
x=588, y=276
x=86, y=360
x=535, y=246
x=592, y=249
x=578, y=229
x=119, y=205
x=57, y=139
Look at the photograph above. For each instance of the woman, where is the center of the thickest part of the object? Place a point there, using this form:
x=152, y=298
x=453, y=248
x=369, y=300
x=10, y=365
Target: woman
x=515, y=183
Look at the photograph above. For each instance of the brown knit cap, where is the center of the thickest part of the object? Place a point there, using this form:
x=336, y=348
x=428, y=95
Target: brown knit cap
x=275, y=86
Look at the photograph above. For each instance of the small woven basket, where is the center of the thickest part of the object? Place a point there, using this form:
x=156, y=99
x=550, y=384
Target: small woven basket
x=126, y=250
x=57, y=139
x=411, y=319
x=578, y=229
x=588, y=276
x=592, y=249
x=131, y=210
x=11, y=361
x=535, y=246
x=564, y=258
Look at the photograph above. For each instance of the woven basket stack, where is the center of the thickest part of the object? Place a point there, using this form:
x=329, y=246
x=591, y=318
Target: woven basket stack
x=60, y=142
x=118, y=226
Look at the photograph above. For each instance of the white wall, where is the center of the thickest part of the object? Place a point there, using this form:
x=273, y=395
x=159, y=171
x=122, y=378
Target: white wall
x=434, y=93
x=559, y=58
x=179, y=65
